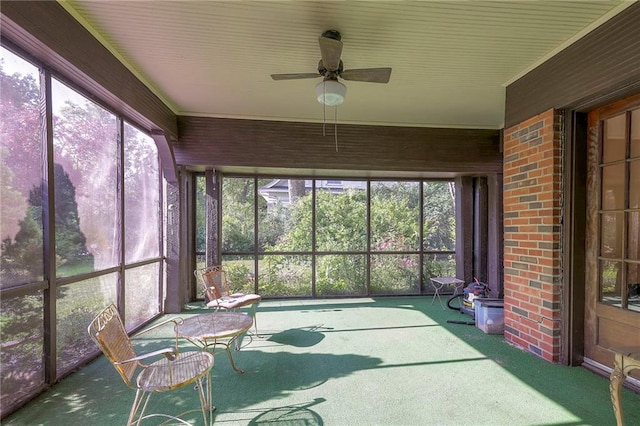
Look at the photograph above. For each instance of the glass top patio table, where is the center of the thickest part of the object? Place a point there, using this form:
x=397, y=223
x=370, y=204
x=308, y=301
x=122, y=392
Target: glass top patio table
x=215, y=328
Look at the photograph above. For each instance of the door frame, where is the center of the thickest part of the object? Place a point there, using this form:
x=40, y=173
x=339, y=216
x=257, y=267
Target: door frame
x=575, y=135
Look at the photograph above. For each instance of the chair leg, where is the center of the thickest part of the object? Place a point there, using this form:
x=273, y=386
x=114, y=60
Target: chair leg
x=141, y=399
x=206, y=399
x=255, y=319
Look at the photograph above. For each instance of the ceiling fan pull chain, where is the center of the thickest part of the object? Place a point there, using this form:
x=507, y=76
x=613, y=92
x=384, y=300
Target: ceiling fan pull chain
x=335, y=126
x=324, y=115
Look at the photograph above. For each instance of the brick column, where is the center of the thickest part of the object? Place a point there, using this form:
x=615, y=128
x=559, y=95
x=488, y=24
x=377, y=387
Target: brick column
x=532, y=234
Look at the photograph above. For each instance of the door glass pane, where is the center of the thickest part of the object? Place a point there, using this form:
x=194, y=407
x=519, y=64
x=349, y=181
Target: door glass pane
x=611, y=228
x=141, y=196
x=77, y=305
x=341, y=215
x=21, y=251
x=610, y=282
x=634, y=187
x=633, y=236
x=86, y=183
x=237, y=214
x=343, y=275
x=614, y=144
x=633, y=286
x=439, y=216
x=395, y=216
x=395, y=274
x=635, y=133
x=613, y=182
x=284, y=275
x=284, y=214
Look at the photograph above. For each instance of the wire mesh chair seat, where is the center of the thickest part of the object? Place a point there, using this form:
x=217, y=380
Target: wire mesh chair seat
x=218, y=292
x=172, y=370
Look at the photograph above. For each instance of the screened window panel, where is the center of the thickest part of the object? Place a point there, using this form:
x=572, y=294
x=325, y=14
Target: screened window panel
x=201, y=214
x=241, y=273
x=76, y=305
x=341, y=216
x=284, y=215
x=395, y=274
x=142, y=294
x=141, y=196
x=395, y=216
x=87, y=207
x=439, y=221
x=201, y=263
x=21, y=173
x=341, y=275
x=238, y=229
x=282, y=275
x=21, y=350
x=438, y=265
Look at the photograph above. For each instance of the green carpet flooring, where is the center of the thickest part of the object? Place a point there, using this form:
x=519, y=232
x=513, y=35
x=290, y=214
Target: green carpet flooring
x=388, y=361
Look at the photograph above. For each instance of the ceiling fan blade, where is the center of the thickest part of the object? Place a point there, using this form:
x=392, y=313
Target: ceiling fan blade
x=331, y=50
x=371, y=75
x=295, y=76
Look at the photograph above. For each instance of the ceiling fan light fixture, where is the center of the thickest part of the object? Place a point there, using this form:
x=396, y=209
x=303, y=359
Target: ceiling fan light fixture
x=330, y=92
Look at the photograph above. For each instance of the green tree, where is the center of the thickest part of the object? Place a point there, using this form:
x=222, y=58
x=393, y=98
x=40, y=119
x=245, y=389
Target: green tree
x=439, y=216
x=238, y=214
x=341, y=220
x=395, y=216
x=70, y=241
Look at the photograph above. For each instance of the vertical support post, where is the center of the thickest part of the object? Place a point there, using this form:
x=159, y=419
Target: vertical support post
x=464, y=228
x=213, y=210
x=174, y=280
x=495, y=235
x=480, y=228
x=48, y=232
x=574, y=217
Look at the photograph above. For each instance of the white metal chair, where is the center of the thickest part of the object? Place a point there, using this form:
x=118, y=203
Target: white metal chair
x=218, y=292
x=171, y=369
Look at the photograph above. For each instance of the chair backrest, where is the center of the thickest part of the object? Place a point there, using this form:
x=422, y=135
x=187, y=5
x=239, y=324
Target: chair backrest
x=108, y=331
x=215, y=282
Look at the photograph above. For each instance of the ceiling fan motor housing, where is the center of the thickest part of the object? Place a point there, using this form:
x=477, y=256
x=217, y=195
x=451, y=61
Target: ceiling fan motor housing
x=326, y=73
x=332, y=34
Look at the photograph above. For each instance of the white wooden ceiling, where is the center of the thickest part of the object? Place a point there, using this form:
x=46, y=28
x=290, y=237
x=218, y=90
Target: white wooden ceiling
x=451, y=60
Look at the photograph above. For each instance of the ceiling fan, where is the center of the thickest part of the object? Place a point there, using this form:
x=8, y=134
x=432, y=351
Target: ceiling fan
x=330, y=91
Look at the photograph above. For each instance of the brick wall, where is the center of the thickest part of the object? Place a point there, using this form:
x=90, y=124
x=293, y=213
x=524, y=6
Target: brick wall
x=532, y=234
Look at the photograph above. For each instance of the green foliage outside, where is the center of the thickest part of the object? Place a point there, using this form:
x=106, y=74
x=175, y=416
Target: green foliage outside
x=340, y=238
x=284, y=276
x=341, y=275
x=341, y=221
